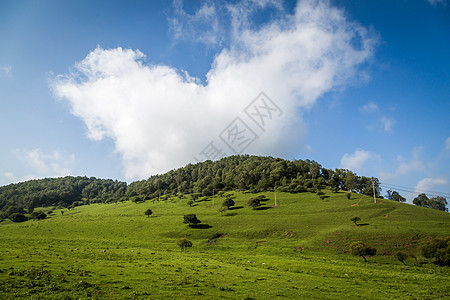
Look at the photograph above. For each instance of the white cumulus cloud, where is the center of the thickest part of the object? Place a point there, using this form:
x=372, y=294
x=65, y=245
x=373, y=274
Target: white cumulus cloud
x=160, y=117
x=356, y=161
x=427, y=184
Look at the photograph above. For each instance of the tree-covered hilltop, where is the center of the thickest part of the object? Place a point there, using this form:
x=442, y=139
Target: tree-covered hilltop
x=59, y=191
x=253, y=173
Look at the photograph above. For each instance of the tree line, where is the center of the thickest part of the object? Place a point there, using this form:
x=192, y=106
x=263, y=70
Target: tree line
x=254, y=174
x=62, y=192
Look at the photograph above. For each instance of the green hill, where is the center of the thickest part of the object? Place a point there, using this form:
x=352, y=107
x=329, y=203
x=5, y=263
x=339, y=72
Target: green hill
x=296, y=250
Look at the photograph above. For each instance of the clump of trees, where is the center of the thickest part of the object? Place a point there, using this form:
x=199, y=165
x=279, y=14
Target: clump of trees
x=184, y=243
x=438, y=249
x=361, y=249
x=438, y=202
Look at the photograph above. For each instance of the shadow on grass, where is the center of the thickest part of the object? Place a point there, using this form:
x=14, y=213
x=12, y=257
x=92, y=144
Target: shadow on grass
x=235, y=207
x=363, y=224
x=201, y=226
x=230, y=214
x=263, y=208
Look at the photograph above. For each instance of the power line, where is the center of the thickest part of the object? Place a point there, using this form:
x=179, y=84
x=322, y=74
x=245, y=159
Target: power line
x=413, y=190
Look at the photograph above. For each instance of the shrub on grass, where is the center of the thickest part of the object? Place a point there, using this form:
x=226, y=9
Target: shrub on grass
x=254, y=203
x=18, y=217
x=38, y=215
x=438, y=249
x=349, y=195
x=148, y=212
x=360, y=249
x=190, y=202
x=184, y=243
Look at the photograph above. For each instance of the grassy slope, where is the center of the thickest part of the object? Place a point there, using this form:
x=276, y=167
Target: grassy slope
x=295, y=250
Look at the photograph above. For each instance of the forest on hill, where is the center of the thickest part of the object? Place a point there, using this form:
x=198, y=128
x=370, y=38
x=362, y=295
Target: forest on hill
x=63, y=192
x=254, y=174
x=240, y=172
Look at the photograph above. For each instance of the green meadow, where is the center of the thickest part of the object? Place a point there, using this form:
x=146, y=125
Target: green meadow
x=296, y=250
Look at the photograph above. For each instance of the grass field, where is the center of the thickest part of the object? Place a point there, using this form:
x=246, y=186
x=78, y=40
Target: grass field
x=297, y=250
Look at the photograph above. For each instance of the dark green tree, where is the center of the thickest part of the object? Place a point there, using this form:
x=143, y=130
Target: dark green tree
x=184, y=243
x=360, y=249
x=228, y=202
x=438, y=203
x=397, y=197
x=191, y=219
x=421, y=200
x=148, y=212
x=355, y=219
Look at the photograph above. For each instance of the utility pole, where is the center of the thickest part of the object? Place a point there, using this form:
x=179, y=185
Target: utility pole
x=159, y=198
x=373, y=187
x=275, y=191
x=213, y=197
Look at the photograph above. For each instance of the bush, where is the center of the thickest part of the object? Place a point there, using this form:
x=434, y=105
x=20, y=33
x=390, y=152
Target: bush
x=18, y=217
x=254, y=203
x=148, y=212
x=438, y=249
x=38, y=215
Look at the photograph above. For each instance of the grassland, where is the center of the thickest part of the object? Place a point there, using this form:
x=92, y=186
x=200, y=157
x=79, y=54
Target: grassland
x=297, y=250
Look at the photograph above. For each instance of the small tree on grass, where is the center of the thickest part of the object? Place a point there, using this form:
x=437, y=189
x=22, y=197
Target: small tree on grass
x=190, y=202
x=191, y=219
x=254, y=203
x=321, y=194
x=228, y=203
x=355, y=219
x=184, y=243
x=349, y=195
x=148, y=212
x=401, y=256
x=360, y=249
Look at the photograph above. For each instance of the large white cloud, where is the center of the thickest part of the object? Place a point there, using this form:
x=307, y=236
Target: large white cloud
x=357, y=161
x=160, y=117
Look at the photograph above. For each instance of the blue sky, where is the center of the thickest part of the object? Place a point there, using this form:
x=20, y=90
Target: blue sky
x=127, y=89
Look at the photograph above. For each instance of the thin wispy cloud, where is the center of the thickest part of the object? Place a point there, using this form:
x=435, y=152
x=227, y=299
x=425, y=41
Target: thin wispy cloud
x=160, y=117
x=6, y=72
x=39, y=164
